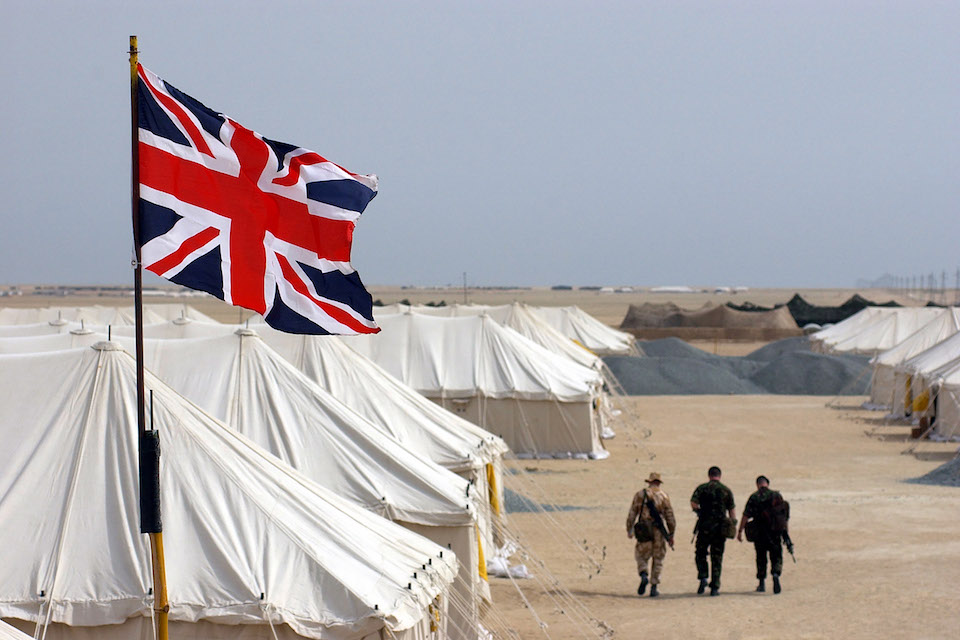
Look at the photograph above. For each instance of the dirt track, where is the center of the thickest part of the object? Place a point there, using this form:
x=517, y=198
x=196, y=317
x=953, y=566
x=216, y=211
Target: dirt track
x=877, y=557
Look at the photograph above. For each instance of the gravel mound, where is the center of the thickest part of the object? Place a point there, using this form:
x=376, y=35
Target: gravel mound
x=677, y=376
x=779, y=348
x=673, y=367
x=672, y=348
x=946, y=475
x=799, y=373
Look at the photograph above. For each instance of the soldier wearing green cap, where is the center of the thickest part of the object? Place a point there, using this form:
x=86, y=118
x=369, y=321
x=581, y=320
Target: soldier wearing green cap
x=761, y=517
x=713, y=503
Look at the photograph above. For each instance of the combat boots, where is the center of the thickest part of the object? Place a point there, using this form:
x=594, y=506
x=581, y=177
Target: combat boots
x=760, y=587
x=702, y=587
x=653, y=591
x=776, y=583
x=643, y=585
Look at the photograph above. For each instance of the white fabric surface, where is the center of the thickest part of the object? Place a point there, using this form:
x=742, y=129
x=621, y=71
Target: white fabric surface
x=577, y=324
x=9, y=633
x=393, y=407
x=241, y=381
x=519, y=317
x=238, y=521
x=937, y=330
x=470, y=356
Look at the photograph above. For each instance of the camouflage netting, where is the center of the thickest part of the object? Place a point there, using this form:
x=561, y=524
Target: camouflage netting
x=721, y=316
x=805, y=313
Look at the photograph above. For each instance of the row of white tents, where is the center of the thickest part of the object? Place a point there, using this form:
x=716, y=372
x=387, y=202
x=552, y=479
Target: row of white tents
x=280, y=455
x=916, y=360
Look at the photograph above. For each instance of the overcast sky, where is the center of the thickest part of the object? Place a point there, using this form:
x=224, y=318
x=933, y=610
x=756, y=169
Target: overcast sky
x=524, y=143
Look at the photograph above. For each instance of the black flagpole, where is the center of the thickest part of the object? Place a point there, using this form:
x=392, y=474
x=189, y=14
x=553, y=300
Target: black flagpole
x=149, y=440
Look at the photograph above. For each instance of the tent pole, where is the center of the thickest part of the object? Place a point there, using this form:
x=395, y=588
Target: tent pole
x=148, y=452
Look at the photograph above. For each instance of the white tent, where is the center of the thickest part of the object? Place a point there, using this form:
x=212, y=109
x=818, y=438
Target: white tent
x=249, y=540
x=886, y=332
x=542, y=404
x=366, y=388
x=390, y=405
x=99, y=315
x=12, y=633
x=404, y=414
x=947, y=401
x=37, y=328
x=586, y=330
x=873, y=330
x=519, y=317
x=239, y=380
x=821, y=340
x=912, y=377
x=944, y=325
x=52, y=342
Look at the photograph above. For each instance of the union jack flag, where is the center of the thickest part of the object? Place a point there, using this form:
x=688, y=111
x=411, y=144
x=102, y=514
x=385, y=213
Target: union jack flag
x=258, y=223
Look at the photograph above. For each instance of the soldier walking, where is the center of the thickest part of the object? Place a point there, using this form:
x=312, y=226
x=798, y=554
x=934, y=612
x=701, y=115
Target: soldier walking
x=652, y=523
x=713, y=502
x=764, y=518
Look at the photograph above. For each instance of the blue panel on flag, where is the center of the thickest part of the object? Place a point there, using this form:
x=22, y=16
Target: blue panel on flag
x=155, y=221
x=280, y=150
x=204, y=274
x=346, y=289
x=210, y=120
x=346, y=194
x=154, y=119
x=283, y=318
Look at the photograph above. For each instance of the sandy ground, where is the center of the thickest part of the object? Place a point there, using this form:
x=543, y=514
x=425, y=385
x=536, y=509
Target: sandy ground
x=876, y=557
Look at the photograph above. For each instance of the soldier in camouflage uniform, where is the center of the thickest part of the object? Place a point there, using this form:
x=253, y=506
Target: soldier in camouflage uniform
x=766, y=539
x=713, y=502
x=655, y=549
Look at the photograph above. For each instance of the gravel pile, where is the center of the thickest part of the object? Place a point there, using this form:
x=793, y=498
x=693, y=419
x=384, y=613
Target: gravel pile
x=947, y=475
x=776, y=349
x=677, y=376
x=814, y=374
x=673, y=367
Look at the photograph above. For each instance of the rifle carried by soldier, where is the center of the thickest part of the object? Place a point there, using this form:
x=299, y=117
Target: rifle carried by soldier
x=788, y=543
x=658, y=521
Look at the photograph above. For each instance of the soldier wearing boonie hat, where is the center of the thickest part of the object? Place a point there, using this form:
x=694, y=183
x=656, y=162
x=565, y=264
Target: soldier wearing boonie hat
x=647, y=508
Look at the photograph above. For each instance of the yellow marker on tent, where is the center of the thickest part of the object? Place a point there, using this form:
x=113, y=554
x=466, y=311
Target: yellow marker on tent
x=492, y=488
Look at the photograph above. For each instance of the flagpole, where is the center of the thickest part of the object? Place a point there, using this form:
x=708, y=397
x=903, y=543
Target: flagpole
x=148, y=440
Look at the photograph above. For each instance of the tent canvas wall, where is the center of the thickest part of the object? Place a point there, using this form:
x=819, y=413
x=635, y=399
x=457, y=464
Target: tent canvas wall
x=909, y=377
x=387, y=403
x=542, y=404
x=239, y=380
x=250, y=541
x=519, y=317
x=937, y=330
x=586, y=330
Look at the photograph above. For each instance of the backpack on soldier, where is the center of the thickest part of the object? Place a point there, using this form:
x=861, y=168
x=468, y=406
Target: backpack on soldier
x=779, y=513
x=772, y=518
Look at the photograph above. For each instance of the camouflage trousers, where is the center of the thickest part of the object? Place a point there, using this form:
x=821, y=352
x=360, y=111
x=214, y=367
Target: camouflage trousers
x=655, y=551
x=771, y=547
x=712, y=545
